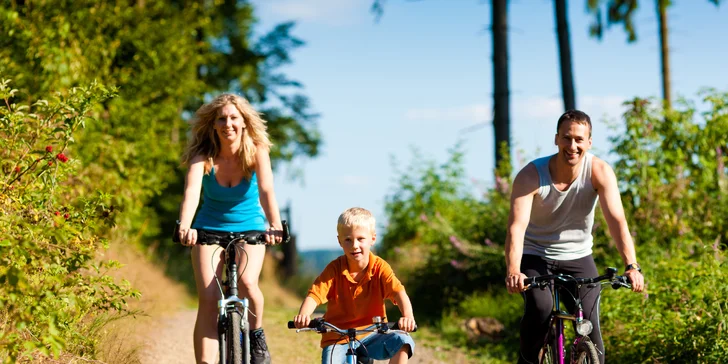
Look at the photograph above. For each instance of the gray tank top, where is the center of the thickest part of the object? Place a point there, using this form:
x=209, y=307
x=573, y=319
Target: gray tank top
x=561, y=221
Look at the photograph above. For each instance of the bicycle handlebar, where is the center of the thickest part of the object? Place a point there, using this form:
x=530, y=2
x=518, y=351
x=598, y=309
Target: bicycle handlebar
x=254, y=237
x=321, y=326
x=611, y=276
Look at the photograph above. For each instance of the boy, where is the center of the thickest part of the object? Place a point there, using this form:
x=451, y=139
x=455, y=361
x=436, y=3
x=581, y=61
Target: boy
x=355, y=286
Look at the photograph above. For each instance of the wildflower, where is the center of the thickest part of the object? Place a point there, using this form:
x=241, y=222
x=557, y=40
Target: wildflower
x=62, y=157
x=49, y=148
x=457, y=265
x=423, y=217
x=58, y=213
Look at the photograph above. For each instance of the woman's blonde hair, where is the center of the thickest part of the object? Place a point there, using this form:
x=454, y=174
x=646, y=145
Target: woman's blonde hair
x=203, y=139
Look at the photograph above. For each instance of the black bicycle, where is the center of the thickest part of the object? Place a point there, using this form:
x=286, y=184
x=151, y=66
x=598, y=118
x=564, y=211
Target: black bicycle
x=582, y=349
x=232, y=324
x=353, y=356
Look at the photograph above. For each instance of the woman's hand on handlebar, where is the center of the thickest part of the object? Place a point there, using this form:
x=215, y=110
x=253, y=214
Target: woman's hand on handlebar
x=274, y=235
x=301, y=321
x=187, y=236
x=407, y=323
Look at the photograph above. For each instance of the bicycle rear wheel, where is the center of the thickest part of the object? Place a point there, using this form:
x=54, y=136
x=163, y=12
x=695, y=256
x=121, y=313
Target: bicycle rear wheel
x=586, y=352
x=548, y=354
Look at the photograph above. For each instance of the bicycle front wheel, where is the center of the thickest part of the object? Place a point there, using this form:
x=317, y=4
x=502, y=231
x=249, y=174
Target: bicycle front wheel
x=586, y=352
x=234, y=338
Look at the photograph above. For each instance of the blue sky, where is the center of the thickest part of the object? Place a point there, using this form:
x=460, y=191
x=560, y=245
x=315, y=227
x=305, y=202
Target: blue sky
x=422, y=76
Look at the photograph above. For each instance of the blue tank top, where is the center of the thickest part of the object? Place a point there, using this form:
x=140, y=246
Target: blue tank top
x=230, y=209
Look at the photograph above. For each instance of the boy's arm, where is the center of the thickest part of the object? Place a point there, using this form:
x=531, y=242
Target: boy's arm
x=304, y=313
x=407, y=321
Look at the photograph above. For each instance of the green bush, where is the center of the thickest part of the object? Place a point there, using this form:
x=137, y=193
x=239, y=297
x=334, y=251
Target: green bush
x=52, y=290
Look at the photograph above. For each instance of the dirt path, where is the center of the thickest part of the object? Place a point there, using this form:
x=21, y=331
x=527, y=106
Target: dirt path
x=170, y=339
x=163, y=333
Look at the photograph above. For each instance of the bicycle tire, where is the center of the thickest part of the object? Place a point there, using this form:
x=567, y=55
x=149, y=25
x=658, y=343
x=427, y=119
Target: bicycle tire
x=246, y=338
x=235, y=344
x=548, y=354
x=586, y=352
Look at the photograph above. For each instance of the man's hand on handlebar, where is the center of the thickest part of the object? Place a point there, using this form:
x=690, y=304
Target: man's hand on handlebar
x=514, y=282
x=636, y=279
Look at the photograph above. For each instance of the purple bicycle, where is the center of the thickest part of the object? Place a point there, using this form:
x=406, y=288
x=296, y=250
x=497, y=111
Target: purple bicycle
x=582, y=349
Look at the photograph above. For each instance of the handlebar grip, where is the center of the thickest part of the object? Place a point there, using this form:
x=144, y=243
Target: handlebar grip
x=395, y=326
x=286, y=231
x=314, y=324
x=529, y=280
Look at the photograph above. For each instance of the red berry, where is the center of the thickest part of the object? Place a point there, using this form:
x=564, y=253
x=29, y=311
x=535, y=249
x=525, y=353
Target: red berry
x=50, y=163
x=62, y=157
x=49, y=148
x=17, y=169
x=66, y=216
x=58, y=213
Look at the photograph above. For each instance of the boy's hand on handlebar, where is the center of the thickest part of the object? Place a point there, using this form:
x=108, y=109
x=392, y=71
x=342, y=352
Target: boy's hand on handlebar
x=636, y=279
x=407, y=324
x=514, y=282
x=301, y=321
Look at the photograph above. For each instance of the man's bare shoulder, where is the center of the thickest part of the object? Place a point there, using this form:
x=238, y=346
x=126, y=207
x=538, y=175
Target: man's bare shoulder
x=527, y=179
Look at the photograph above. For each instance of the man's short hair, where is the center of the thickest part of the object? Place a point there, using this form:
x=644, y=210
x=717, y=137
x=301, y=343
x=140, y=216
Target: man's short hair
x=576, y=116
x=357, y=216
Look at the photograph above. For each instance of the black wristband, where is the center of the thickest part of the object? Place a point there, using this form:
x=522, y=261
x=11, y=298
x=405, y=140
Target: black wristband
x=633, y=266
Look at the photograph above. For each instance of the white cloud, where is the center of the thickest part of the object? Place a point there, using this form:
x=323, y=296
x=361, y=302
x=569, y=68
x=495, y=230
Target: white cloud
x=536, y=108
x=328, y=12
x=350, y=180
x=471, y=113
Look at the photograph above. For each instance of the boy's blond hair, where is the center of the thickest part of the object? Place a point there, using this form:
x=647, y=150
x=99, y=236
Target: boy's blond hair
x=357, y=216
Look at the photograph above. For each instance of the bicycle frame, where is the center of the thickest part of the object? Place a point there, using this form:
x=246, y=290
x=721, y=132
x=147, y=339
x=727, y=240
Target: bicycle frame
x=230, y=298
x=557, y=319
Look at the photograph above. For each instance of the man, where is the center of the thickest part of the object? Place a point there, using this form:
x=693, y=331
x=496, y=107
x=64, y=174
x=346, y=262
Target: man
x=550, y=224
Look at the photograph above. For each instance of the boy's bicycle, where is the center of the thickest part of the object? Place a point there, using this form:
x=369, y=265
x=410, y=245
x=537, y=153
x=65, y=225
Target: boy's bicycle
x=582, y=350
x=353, y=356
x=232, y=324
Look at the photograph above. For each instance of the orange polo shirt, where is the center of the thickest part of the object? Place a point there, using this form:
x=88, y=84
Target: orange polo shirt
x=352, y=304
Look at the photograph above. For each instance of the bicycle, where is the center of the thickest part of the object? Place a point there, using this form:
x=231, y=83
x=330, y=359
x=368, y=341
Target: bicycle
x=582, y=349
x=320, y=326
x=232, y=323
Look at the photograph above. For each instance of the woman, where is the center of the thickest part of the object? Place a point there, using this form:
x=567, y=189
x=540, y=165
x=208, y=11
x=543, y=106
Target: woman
x=228, y=159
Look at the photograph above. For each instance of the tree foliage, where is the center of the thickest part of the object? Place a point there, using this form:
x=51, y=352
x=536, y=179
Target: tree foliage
x=163, y=59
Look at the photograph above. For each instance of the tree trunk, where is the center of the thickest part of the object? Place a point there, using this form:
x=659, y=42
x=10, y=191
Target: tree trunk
x=501, y=107
x=664, y=51
x=562, y=34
